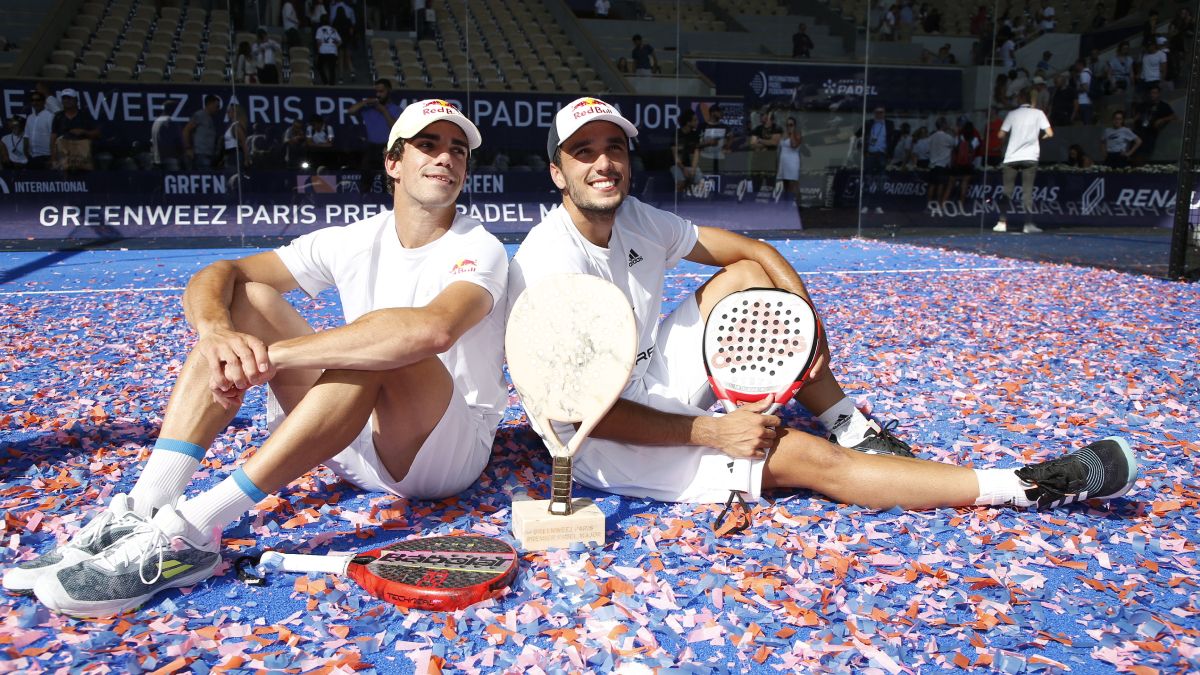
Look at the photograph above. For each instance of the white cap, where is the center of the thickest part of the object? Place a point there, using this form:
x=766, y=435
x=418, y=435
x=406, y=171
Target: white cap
x=421, y=114
x=68, y=92
x=578, y=113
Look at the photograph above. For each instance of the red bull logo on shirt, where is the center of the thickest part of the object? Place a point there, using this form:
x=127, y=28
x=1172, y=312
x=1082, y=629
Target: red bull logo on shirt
x=463, y=266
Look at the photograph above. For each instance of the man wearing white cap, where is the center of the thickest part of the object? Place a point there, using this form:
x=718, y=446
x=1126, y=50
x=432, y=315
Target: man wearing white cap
x=404, y=398
x=660, y=440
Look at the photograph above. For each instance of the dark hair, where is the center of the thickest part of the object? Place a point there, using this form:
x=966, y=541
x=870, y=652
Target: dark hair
x=211, y=98
x=637, y=36
x=385, y=82
x=394, y=153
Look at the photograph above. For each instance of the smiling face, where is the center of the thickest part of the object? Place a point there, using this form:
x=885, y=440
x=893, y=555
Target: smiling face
x=594, y=169
x=431, y=169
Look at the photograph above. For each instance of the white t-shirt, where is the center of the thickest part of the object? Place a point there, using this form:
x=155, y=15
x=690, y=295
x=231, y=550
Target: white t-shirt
x=1024, y=126
x=941, y=145
x=1118, y=140
x=38, y=128
x=372, y=270
x=1085, y=83
x=1152, y=64
x=288, y=16
x=1006, y=53
x=322, y=135
x=645, y=243
x=328, y=40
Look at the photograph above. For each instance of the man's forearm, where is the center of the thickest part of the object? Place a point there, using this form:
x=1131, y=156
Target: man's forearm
x=208, y=296
x=630, y=422
x=379, y=340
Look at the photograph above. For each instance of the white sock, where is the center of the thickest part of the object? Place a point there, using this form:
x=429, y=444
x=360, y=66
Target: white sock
x=166, y=474
x=212, y=511
x=846, y=423
x=999, y=487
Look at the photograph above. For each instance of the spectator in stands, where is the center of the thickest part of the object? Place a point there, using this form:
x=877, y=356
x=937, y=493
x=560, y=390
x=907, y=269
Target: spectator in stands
x=38, y=127
x=931, y=21
x=967, y=148
x=15, y=148
x=686, y=152
x=993, y=152
x=244, y=70
x=1041, y=95
x=54, y=105
x=944, y=56
x=1047, y=22
x=979, y=21
x=601, y=8
x=377, y=113
x=887, y=24
x=1077, y=158
x=766, y=136
x=1150, y=30
x=1000, y=97
x=315, y=10
x=267, y=57
x=1063, y=101
x=1100, y=18
x=715, y=137
x=71, y=135
x=902, y=154
x=624, y=66
x=236, y=154
x=1006, y=52
x=1152, y=115
x=1120, y=69
x=802, y=42
x=343, y=19
x=328, y=42
x=1019, y=30
x=920, y=148
x=319, y=143
x=164, y=141
x=1044, y=65
x=879, y=138
x=295, y=140
x=1025, y=128
x=905, y=18
x=1181, y=33
x=790, y=145
x=1154, y=66
x=1082, y=76
x=941, y=151
x=200, y=136
x=1118, y=142
x=644, y=60
x=290, y=20
x=1018, y=79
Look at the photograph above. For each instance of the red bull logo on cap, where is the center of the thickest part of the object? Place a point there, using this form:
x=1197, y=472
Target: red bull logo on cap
x=437, y=106
x=591, y=106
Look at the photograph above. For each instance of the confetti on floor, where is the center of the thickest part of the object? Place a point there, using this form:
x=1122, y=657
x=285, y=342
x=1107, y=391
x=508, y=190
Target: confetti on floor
x=982, y=361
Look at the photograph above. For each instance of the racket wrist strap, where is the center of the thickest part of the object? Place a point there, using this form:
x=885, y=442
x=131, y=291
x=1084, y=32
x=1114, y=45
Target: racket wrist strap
x=560, y=487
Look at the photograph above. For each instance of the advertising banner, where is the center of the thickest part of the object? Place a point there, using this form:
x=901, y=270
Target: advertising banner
x=837, y=88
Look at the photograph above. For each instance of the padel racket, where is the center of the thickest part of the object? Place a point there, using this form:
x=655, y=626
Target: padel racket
x=758, y=342
x=438, y=574
x=571, y=343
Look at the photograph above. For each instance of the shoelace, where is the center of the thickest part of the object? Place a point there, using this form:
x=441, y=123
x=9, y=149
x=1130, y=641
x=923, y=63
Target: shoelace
x=1056, y=476
x=90, y=533
x=885, y=433
x=140, y=546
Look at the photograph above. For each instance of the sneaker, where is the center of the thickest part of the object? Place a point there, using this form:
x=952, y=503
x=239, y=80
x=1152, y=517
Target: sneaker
x=880, y=441
x=879, y=210
x=118, y=520
x=1105, y=469
x=1001, y=226
x=1030, y=228
x=163, y=552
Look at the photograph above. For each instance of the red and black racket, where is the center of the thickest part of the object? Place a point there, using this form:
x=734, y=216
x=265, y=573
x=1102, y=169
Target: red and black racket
x=438, y=574
x=758, y=342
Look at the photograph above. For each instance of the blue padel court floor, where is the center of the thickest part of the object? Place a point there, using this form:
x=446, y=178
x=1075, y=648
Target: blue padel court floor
x=982, y=361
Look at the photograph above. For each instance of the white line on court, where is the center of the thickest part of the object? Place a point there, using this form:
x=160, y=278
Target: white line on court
x=915, y=270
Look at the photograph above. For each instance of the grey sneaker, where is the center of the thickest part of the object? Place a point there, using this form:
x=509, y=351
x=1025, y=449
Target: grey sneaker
x=105, y=529
x=1104, y=469
x=1030, y=228
x=163, y=552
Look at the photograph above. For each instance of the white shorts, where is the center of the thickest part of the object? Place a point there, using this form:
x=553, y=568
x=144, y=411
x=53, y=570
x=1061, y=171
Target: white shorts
x=676, y=382
x=450, y=460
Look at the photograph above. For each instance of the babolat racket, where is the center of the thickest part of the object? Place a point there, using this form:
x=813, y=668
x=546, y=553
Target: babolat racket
x=758, y=342
x=438, y=574
x=571, y=343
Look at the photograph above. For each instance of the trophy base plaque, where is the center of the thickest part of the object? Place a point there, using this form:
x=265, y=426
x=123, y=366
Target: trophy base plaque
x=537, y=529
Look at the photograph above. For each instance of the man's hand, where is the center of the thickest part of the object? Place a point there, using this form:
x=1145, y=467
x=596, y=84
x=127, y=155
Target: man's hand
x=236, y=361
x=745, y=432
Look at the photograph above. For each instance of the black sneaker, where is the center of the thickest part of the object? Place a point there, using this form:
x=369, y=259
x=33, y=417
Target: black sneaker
x=1104, y=469
x=880, y=441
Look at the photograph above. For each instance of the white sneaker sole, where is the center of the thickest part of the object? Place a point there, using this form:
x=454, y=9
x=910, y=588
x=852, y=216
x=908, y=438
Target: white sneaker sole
x=46, y=587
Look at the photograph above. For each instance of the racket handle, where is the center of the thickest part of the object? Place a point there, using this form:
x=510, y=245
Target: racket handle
x=299, y=562
x=560, y=487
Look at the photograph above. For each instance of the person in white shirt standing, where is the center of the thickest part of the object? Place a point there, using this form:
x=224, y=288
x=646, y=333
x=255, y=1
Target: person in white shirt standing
x=267, y=55
x=1119, y=142
x=404, y=398
x=291, y=24
x=328, y=42
x=38, y=127
x=1154, y=65
x=1024, y=128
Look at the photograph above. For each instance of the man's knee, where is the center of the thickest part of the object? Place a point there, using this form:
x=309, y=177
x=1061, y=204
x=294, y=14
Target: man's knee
x=745, y=274
x=259, y=309
x=802, y=460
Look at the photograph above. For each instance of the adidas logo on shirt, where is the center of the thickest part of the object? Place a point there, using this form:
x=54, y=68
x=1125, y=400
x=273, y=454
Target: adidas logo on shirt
x=634, y=258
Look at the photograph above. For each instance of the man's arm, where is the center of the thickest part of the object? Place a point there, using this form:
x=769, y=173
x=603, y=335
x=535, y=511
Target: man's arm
x=1137, y=143
x=743, y=433
x=721, y=248
x=390, y=338
x=187, y=136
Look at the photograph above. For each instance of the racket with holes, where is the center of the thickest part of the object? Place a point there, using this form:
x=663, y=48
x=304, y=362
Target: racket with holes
x=439, y=574
x=571, y=342
x=760, y=342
